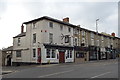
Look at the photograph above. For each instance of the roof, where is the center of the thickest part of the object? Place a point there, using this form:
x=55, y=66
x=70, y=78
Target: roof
x=51, y=19
x=8, y=49
x=20, y=35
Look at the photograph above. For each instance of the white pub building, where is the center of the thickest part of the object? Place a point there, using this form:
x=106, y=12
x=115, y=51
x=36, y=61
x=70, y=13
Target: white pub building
x=46, y=40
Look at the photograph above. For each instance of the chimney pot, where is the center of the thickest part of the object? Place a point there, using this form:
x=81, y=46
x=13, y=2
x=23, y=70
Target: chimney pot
x=22, y=28
x=66, y=19
x=113, y=34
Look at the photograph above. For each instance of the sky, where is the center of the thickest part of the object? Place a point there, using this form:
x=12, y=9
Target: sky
x=80, y=12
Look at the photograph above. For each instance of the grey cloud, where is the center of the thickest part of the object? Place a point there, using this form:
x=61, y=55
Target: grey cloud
x=83, y=13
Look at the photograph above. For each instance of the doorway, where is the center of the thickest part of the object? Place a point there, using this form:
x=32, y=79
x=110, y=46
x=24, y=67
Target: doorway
x=61, y=57
x=8, y=60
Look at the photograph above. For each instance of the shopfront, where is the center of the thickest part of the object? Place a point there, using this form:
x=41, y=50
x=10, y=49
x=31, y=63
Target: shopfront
x=81, y=54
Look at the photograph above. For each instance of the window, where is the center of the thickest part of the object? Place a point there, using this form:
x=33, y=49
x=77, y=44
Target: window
x=61, y=27
x=34, y=52
x=53, y=53
x=34, y=25
x=50, y=37
x=69, y=54
x=34, y=38
x=51, y=24
x=18, y=41
x=75, y=42
x=79, y=55
x=92, y=35
x=83, y=33
x=18, y=53
x=50, y=53
x=69, y=29
x=102, y=38
x=67, y=39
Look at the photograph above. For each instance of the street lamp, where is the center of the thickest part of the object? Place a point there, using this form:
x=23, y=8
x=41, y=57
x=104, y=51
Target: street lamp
x=97, y=35
x=97, y=25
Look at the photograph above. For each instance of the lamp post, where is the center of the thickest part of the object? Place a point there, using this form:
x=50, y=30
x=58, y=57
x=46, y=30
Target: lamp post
x=97, y=25
x=97, y=36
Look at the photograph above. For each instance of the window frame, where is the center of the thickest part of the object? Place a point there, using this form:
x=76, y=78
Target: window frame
x=20, y=54
x=51, y=24
x=69, y=29
x=48, y=56
x=34, y=53
x=34, y=38
x=19, y=41
x=50, y=37
x=61, y=27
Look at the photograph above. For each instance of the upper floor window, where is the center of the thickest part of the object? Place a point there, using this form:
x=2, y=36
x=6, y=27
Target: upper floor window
x=34, y=53
x=75, y=42
x=34, y=38
x=67, y=39
x=83, y=33
x=18, y=41
x=61, y=27
x=92, y=35
x=102, y=38
x=50, y=37
x=69, y=29
x=51, y=24
x=18, y=53
x=34, y=25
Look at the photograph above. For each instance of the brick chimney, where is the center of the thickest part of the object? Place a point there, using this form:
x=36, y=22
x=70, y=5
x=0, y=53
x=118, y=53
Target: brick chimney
x=22, y=28
x=66, y=19
x=113, y=34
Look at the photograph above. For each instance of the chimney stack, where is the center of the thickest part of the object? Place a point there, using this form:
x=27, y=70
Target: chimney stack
x=113, y=34
x=66, y=19
x=22, y=28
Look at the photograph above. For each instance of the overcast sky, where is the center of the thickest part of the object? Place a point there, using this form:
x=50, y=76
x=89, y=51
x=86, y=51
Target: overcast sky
x=81, y=12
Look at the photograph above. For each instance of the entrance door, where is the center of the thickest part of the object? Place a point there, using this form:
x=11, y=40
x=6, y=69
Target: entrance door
x=61, y=57
x=39, y=55
x=8, y=60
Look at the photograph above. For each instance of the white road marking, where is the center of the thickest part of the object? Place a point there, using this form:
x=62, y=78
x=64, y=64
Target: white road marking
x=100, y=75
x=55, y=73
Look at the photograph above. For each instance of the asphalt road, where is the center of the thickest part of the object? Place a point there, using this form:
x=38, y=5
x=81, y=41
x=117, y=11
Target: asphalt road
x=91, y=70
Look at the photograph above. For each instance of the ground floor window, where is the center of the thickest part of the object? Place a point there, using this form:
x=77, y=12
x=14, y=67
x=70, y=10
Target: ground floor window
x=34, y=53
x=50, y=53
x=18, y=53
x=79, y=55
x=93, y=55
x=69, y=54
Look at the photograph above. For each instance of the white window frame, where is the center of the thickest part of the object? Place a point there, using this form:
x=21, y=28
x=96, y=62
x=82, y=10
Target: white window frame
x=69, y=54
x=51, y=54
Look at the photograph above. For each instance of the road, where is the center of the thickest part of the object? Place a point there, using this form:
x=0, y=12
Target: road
x=90, y=70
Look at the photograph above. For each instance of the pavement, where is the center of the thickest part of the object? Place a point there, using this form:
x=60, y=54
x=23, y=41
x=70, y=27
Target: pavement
x=92, y=69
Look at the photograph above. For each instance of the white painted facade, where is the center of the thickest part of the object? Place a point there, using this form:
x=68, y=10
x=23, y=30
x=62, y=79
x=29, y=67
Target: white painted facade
x=42, y=29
